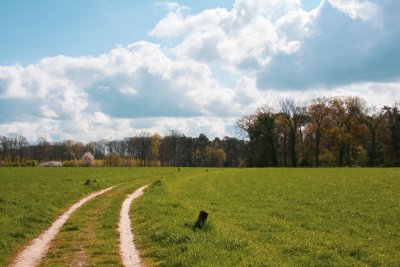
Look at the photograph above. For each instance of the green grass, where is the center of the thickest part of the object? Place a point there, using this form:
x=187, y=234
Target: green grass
x=264, y=217
x=257, y=217
x=90, y=236
x=32, y=198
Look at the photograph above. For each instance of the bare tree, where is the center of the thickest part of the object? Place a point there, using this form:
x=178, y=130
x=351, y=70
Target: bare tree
x=292, y=113
x=5, y=147
x=373, y=119
x=17, y=143
x=145, y=144
x=43, y=148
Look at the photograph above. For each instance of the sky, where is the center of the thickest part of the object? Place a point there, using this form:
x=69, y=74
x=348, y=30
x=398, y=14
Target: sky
x=108, y=69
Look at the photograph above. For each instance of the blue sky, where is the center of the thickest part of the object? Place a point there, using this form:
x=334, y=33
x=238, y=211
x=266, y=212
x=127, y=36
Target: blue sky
x=97, y=69
x=32, y=30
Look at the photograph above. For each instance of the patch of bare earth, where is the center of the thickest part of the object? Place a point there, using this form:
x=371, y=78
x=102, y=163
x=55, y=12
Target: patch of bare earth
x=129, y=253
x=80, y=259
x=37, y=248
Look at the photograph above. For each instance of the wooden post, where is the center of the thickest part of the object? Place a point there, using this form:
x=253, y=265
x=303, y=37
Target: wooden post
x=201, y=220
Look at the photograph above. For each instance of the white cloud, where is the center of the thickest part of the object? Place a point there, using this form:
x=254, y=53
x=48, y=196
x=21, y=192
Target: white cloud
x=340, y=42
x=364, y=10
x=338, y=50
x=224, y=64
x=242, y=38
x=176, y=23
x=99, y=117
x=86, y=96
x=47, y=112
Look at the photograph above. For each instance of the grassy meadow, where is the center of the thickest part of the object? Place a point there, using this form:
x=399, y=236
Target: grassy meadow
x=31, y=198
x=339, y=217
x=272, y=217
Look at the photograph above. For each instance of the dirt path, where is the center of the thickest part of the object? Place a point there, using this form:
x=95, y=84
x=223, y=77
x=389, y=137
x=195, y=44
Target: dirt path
x=129, y=253
x=37, y=248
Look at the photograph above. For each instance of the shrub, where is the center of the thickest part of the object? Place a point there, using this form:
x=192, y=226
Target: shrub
x=87, y=159
x=31, y=163
x=69, y=163
x=113, y=161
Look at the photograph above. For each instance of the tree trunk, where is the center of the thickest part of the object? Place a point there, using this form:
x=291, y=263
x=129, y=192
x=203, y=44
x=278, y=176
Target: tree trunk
x=317, y=147
x=292, y=144
x=285, y=151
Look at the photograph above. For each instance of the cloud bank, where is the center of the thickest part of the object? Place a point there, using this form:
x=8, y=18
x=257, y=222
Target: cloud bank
x=222, y=65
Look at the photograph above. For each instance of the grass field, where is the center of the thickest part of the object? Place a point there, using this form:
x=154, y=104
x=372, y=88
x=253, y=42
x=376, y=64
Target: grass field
x=264, y=217
x=341, y=217
x=31, y=198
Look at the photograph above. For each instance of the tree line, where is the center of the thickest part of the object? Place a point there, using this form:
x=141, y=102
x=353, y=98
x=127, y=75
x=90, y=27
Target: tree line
x=337, y=131
x=172, y=150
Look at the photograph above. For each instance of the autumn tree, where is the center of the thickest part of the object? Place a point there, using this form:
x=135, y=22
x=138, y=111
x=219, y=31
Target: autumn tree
x=199, y=146
x=155, y=147
x=346, y=115
x=215, y=156
x=292, y=114
x=318, y=111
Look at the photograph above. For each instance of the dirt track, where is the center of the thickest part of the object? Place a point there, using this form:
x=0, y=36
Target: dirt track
x=37, y=248
x=129, y=253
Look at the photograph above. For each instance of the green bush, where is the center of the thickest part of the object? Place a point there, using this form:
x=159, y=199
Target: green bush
x=30, y=163
x=70, y=163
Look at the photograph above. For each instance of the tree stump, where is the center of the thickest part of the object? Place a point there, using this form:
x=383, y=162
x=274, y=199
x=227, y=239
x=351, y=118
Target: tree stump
x=201, y=220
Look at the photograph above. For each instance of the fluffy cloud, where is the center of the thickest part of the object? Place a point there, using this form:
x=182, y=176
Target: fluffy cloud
x=243, y=38
x=223, y=65
x=355, y=9
x=338, y=43
x=341, y=48
x=106, y=96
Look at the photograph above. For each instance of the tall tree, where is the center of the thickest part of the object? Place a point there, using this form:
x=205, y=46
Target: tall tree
x=392, y=115
x=292, y=114
x=374, y=120
x=43, y=147
x=260, y=128
x=234, y=150
x=5, y=147
x=145, y=145
x=215, y=156
x=354, y=107
x=155, y=147
x=318, y=111
x=170, y=146
x=17, y=145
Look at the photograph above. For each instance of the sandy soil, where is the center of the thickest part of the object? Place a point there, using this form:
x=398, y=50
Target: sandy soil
x=129, y=253
x=37, y=248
